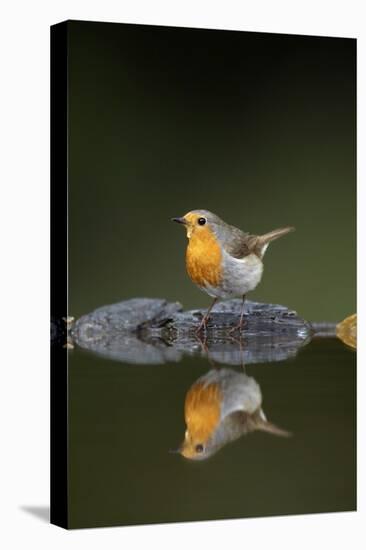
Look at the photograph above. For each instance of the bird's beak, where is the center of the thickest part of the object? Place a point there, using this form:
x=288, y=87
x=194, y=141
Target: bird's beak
x=175, y=451
x=179, y=220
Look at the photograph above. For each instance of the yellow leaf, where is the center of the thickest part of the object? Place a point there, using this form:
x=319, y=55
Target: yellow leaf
x=347, y=331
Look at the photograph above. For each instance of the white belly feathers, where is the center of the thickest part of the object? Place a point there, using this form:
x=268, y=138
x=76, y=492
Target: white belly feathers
x=239, y=276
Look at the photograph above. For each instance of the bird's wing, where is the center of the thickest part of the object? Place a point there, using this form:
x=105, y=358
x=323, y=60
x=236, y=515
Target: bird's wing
x=240, y=244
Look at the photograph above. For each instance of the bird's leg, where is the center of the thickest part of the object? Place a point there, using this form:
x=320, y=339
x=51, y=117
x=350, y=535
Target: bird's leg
x=241, y=322
x=239, y=341
x=205, y=349
x=204, y=320
x=240, y=325
x=241, y=355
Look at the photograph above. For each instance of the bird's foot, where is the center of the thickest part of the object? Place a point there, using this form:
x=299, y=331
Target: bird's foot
x=201, y=327
x=203, y=324
x=239, y=341
x=205, y=348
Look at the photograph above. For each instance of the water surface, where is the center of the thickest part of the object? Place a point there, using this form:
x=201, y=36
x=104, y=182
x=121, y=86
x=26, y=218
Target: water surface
x=124, y=419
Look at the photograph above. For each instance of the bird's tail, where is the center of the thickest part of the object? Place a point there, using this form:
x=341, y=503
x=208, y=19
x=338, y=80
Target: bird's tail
x=275, y=234
x=260, y=422
x=272, y=429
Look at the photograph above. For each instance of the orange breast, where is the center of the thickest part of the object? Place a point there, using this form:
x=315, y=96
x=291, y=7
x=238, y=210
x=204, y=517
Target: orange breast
x=203, y=258
x=202, y=411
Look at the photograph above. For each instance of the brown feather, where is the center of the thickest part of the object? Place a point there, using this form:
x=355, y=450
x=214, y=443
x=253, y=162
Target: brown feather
x=258, y=422
x=242, y=244
x=275, y=234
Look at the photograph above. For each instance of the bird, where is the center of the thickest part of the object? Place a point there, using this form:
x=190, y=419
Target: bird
x=223, y=260
x=220, y=407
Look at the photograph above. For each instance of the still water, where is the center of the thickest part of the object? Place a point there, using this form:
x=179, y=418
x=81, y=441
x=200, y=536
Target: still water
x=125, y=418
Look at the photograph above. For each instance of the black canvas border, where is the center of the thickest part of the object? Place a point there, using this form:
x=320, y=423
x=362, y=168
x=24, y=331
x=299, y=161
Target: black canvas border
x=59, y=276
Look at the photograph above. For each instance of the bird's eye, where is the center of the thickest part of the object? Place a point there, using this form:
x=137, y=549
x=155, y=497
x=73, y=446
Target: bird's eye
x=199, y=448
x=201, y=221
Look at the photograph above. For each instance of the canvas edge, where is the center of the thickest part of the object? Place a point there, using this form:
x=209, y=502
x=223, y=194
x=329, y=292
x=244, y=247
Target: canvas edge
x=59, y=275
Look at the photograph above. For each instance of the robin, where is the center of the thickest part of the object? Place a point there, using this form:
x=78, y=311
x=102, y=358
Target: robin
x=222, y=260
x=220, y=407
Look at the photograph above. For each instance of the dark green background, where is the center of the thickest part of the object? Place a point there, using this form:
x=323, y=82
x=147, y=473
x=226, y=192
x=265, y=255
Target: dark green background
x=258, y=128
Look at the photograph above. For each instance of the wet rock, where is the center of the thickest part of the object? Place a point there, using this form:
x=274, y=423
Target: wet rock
x=126, y=316
x=145, y=330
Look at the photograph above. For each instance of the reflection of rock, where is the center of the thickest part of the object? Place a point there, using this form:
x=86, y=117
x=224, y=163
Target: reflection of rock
x=112, y=331
x=127, y=348
x=143, y=330
x=220, y=407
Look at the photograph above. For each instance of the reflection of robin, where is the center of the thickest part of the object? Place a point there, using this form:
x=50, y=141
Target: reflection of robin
x=222, y=260
x=221, y=406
